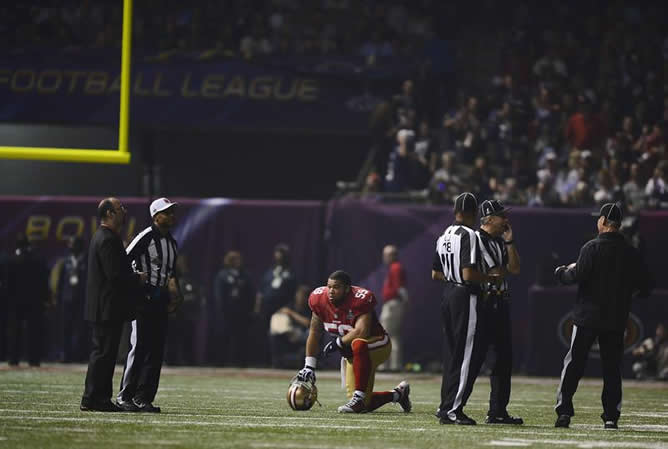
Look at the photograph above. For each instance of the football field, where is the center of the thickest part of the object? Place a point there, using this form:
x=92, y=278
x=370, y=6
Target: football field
x=207, y=408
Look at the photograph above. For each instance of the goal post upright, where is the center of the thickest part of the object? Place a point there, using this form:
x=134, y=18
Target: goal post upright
x=120, y=155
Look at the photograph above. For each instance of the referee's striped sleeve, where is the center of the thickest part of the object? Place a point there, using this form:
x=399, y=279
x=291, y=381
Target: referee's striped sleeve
x=135, y=248
x=468, y=249
x=485, y=252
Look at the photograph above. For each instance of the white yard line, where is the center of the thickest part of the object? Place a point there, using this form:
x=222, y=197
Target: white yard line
x=157, y=422
x=578, y=444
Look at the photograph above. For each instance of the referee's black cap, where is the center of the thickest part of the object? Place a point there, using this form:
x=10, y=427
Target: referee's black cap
x=492, y=207
x=466, y=202
x=611, y=211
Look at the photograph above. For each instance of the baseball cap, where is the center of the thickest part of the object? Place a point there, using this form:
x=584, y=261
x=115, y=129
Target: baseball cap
x=466, y=202
x=492, y=207
x=611, y=211
x=159, y=205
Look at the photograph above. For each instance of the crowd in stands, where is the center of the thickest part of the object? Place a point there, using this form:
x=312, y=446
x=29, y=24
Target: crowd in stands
x=575, y=115
x=559, y=104
x=228, y=28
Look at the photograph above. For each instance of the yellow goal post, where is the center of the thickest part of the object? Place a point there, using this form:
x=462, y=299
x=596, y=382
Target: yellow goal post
x=120, y=155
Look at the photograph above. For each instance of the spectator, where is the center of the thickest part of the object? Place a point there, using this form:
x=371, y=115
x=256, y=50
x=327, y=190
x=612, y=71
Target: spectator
x=395, y=297
x=232, y=316
x=277, y=289
x=445, y=183
x=289, y=329
x=579, y=131
x=181, y=340
x=656, y=188
x=634, y=194
x=70, y=295
x=425, y=156
x=399, y=173
x=652, y=356
x=4, y=279
x=28, y=293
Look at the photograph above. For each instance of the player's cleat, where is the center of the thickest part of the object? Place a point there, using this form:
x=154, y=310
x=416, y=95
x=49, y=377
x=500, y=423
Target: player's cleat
x=610, y=425
x=355, y=405
x=461, y=420
x=563, y=421
x=504, y=419
x=404, y=391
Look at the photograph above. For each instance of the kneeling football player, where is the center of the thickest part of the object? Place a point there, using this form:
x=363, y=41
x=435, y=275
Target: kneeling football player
x=347, y=313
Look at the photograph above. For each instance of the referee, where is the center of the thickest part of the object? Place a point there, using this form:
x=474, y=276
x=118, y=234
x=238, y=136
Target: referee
x=608, y=272
x=154, y=250
x=498, y=255
x=456, y=262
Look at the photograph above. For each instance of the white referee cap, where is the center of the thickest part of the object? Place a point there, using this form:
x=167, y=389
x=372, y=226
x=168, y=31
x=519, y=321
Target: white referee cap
x=160, y=205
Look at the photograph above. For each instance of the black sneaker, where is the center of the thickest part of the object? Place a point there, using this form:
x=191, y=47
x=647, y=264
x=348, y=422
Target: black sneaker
x=563, y=421
x=461, y=420
x=126, y=406
x=610, y=425
x=145, y=407
x=107, y=406
x=504, y=419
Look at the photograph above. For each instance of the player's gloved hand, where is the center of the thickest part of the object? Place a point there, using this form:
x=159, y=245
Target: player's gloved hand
x=337, y=345
x=306, y=374
x=559, y=271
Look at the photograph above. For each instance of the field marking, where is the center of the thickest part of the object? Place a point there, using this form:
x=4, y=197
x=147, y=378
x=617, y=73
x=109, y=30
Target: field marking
x=532, y=431
x=292, y=445
x=206, y=423
x=650, y=427
x=648, y=415
x=580, y=444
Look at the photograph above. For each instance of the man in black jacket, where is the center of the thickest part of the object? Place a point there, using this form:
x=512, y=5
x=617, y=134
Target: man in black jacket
x=111, y=287
x=608, y=272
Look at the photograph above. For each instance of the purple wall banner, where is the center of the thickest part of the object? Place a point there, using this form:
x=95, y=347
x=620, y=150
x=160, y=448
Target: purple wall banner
x=350, y=235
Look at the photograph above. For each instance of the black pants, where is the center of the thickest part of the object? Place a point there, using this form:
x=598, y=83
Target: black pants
x=25, y=329
x=102, y=361
x=141, y=375
x=611, y=344
x=463, y=347
x=496, y=321
x=75, y=332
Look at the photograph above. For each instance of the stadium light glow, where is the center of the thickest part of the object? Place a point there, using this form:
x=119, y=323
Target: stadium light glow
x=120, y=155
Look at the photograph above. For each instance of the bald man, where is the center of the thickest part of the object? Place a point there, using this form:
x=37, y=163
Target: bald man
x=394, y=299
x=111, y=287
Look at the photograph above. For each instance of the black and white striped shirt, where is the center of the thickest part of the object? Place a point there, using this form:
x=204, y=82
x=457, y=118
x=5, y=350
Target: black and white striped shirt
x=155, y=254
x=493, y=253
x=456, y=249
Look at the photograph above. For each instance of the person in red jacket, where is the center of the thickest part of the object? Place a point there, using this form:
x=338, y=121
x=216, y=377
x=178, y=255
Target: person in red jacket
x=395, y=297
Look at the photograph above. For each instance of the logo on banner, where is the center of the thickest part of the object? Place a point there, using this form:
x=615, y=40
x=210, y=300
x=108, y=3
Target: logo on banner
x=632, y=334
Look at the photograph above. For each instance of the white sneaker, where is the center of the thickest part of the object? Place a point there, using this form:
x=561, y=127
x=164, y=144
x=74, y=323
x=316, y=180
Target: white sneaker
x=404, y=401
x=355, y=405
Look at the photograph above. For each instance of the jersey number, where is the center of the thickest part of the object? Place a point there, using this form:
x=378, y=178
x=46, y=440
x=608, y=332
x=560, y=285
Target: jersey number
x=361, y=293
x=342, y=329
x=448, y=259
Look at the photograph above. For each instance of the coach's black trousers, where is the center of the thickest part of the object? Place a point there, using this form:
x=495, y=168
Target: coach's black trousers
x=611, y=344
x=102, y=361
x=463, y=344
x=141, y=375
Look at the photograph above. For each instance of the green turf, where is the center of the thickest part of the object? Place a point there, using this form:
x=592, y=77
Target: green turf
x=247, y=409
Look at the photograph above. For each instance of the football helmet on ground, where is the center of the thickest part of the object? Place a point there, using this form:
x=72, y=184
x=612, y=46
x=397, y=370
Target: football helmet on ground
x=302, y=394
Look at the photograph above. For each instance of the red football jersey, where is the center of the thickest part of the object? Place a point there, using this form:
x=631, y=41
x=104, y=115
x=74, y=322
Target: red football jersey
x=340, y=320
